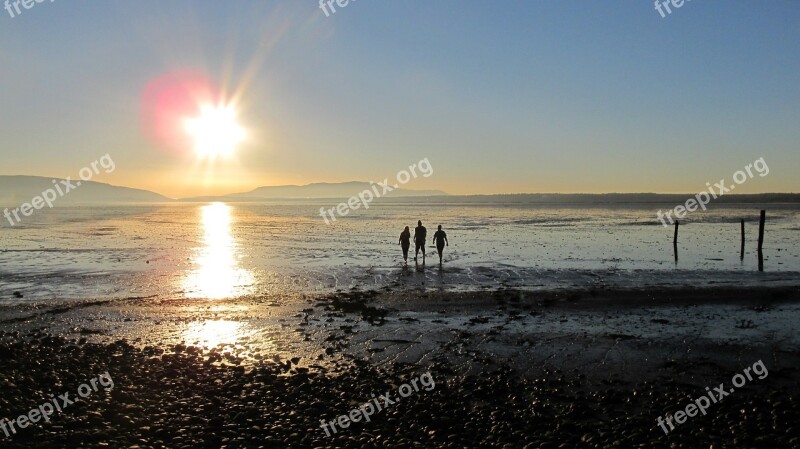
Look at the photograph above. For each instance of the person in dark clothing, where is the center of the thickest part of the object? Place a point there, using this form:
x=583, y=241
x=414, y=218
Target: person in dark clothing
x=405, y=243
x=440, y=239
x=420, y=233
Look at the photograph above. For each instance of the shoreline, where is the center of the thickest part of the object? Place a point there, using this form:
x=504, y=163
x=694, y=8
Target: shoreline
x=42, y=286
x=593, y=368
x=179, y=398
x=620, y=334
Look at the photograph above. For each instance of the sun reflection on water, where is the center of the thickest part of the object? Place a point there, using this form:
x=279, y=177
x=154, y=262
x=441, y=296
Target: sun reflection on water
x=214, y=333
x=216, y=272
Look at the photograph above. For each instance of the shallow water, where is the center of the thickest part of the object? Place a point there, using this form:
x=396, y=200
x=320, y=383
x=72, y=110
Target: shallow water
x=198, y=250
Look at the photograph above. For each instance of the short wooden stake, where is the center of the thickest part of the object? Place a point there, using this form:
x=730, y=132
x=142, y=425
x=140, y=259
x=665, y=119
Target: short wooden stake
x=675, y=242
x=741, y=255
x=675, y=239
x=761, y=240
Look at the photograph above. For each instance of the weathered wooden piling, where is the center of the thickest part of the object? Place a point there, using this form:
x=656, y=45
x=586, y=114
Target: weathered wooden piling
x=761, y=221
x=675, y=242
x=741, y=253
x=675, y=238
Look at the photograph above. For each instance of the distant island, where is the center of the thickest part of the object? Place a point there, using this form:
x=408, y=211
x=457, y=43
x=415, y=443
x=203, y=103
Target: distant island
x=15, y=190
x=313, y=191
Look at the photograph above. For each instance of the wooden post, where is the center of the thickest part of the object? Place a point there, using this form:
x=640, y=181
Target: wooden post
x=741, y=255
x=761, y=240
x=675, y=242
x=675, y=239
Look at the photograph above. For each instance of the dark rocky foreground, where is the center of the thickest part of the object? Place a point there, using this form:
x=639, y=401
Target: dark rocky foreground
x=183, y=398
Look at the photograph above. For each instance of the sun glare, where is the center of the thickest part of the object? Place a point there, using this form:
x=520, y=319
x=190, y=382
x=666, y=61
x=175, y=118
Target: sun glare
x=217, y=273
x=216, y=131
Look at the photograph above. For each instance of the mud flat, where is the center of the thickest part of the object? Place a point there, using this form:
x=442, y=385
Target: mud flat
x=511, y=369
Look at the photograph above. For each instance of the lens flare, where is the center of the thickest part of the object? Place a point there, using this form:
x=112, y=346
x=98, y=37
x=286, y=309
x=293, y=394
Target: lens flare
x=166, y=103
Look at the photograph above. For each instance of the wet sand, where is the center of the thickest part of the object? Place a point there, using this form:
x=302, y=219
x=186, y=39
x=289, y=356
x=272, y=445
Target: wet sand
x=591, y=368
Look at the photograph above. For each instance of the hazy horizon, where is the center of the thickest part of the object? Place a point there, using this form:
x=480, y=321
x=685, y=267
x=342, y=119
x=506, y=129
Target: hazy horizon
x=28, y=190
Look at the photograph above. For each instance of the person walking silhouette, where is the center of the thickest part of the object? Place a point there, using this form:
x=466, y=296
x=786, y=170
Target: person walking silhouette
x=440, y=239
x=420, y=233
x=405, y=243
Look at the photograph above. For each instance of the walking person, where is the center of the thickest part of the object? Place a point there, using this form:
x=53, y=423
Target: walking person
x=420, y=233
x=405, y=243
x=440, y=239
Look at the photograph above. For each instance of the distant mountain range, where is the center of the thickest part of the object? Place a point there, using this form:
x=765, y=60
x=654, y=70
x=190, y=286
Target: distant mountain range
x=316, y=190
x=15, y=190
x=623, y=198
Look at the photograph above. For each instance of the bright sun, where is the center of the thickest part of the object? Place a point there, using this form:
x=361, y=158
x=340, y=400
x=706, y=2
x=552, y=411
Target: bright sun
x=215, y=131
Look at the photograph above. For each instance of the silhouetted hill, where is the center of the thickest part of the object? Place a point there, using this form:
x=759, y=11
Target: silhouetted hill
x=15, y=190
x=316, y=190
x=602, y=199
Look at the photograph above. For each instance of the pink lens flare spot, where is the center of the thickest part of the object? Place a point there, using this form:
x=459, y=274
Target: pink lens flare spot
x=166, y=103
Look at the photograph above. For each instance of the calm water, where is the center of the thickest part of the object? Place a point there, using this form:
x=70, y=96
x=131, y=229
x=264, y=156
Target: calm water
x=223, y=250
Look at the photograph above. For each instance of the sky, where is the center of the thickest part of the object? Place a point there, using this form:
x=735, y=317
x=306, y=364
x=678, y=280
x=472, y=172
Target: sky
x=501, y=97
